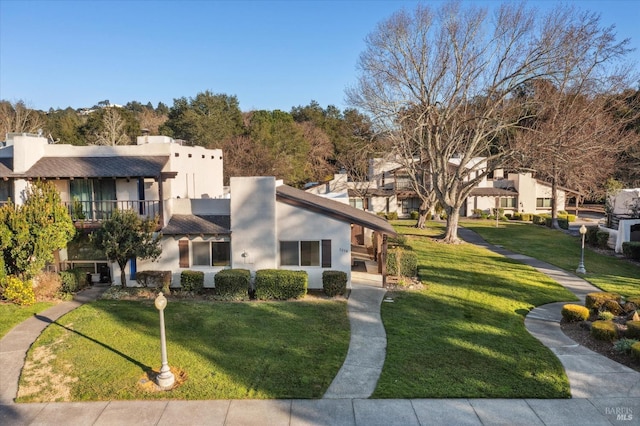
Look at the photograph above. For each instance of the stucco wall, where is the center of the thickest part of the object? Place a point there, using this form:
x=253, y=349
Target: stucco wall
x=296, y=224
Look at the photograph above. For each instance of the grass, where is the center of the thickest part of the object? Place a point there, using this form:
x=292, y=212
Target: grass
x=105, y=350
x=12, y=315
x=560, y=249
x=464, y=335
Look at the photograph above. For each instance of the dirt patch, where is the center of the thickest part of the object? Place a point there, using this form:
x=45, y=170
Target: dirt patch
x=40, y=377
x=148, y=382
x=580, y=333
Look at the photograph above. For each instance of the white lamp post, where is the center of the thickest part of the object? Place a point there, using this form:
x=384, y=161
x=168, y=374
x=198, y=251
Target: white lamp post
x=581, y=270
x=165, y=379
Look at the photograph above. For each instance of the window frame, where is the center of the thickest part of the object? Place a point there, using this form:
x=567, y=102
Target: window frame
x=320, y=251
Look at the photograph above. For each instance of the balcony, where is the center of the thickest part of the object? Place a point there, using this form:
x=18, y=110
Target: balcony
x=93, y=212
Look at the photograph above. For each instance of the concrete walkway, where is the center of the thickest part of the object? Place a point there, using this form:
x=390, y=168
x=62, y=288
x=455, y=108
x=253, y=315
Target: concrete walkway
x=604, y=392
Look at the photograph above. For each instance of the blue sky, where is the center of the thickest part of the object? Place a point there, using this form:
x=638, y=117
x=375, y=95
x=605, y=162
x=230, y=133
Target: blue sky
x=270, y=54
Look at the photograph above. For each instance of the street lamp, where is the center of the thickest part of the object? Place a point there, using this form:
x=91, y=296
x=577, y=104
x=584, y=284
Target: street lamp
x=165, y=379
x=581, y=270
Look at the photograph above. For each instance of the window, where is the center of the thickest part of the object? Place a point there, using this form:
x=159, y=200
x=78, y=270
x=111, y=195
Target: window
x=5, y=190
x=305, y=253
x=205, y=253
x=356, y=203
x=509, y=203
x=543, y=202
x=410, y=205
x=93, y=198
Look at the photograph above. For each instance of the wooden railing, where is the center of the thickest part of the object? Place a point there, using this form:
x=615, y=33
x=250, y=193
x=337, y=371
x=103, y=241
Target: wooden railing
x=96, y=211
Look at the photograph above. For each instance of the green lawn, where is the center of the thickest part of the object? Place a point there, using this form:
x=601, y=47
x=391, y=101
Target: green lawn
x=464, y=335
x=12, y=315
x=562, y=250
x=102, y=350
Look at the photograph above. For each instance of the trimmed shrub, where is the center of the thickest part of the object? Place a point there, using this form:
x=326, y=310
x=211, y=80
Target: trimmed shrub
x=233, y=284
x=527, y=217
x=596, y=300
x=414, y=215
x=517, y=216
x=633, y=329
x=392, y=216
x=399, y=241
x=633, y=299
x=602, y=238
x=402, y=263
x=573, y=313
x=604, y=330
x=540, y=219
x=631, y=249
x=281, y=284
x=334, y=283
x=192, y=281
x=17, y=291
x=72, y=281
x=155, y=279
x=605, y=315
x=612, y=306
x=635, y=351
x=591, y=236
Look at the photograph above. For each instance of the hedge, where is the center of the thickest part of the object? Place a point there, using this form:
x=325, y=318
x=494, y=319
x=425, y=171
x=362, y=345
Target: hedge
x=604, y=330
x=631, y=249
x=155, y=279
x=334, y=283
x=572, y=313
x=192, y=281
x=281, y=284
x=402, y=263
x=73, y=280
x=233, y=284
x=597, y=299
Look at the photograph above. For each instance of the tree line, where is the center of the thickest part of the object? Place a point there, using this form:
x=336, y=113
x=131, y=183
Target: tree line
x=307, y=144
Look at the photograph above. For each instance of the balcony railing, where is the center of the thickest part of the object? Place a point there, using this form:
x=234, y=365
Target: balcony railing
x=96, y=211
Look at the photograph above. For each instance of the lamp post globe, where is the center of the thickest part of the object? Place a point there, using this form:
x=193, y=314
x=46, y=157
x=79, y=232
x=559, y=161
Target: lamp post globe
x=581, y=269
x=166, y=378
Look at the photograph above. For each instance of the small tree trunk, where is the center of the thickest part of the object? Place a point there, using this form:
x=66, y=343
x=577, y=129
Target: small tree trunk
x=451, y=233
x=123, y=275
x=422, y=217
x=554, y=204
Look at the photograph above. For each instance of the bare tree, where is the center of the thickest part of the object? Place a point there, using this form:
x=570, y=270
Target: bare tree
x=575, y=140
x=151, y=120
x=18, y=118
x=320, y=152
x=113, y=130
x=442, y=83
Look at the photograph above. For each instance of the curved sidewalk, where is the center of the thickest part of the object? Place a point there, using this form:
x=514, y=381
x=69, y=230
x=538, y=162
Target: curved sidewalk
x=590, y=374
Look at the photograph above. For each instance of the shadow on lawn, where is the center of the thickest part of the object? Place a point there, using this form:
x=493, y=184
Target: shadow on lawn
x=144, y=367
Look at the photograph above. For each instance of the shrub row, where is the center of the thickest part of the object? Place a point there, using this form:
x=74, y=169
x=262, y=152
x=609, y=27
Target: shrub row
x=631, y=249
x=402, y=263
x=233, y=284
x=280, y=284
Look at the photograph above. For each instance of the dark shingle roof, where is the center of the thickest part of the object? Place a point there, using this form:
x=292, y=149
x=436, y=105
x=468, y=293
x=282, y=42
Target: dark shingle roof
x=492, y=192
x=96, y=167
x=185, y=224
x=336, y=209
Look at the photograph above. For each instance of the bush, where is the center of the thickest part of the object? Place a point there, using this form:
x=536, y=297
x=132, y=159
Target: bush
x=73, y=280
x=334, y=283
x=540, y=219
x=527, y=217
x=612, y=306
x=573, y=313
x=402, y=263
x=635, y=351
x=281, y=284
x=596, y=300
x=192, y=281
x=631, y=249
x=46, y=286
x=392, y=216
x=155, y=279
x=400, y=241
x=605, y=315
x=414, y=215
x=623, y=346
x=17, y=291
x=591, y=236
x=233, y=284
x=633, y=329
x=604, y=330
x=602, y=238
